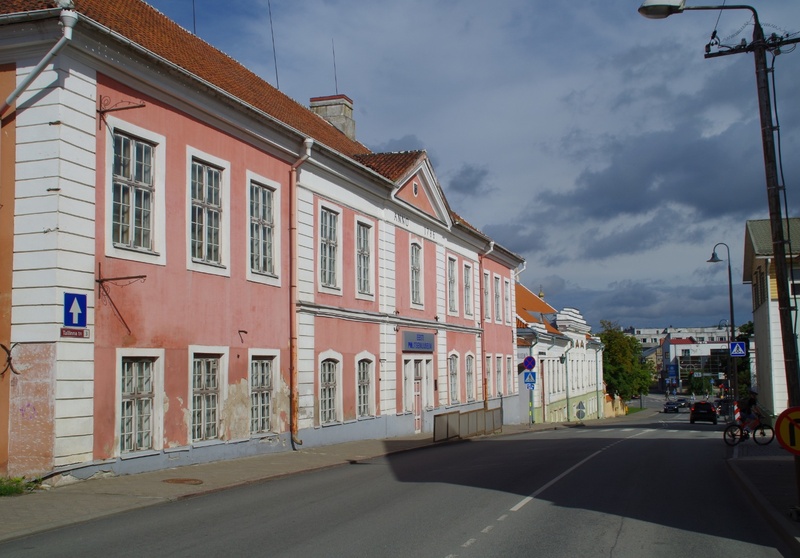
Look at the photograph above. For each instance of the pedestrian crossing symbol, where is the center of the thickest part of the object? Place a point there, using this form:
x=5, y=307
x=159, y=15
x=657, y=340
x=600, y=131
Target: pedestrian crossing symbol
x=530, y=377
x=738, y=349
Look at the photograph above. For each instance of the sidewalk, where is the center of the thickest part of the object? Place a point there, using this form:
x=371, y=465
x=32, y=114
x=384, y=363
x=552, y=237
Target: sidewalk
x=765, y=473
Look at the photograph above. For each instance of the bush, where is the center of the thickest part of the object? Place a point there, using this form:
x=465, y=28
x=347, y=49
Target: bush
x=11, y=486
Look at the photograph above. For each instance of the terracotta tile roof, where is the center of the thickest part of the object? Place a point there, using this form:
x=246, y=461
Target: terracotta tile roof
x=683, y=341
x=529, y=304
x=155, y=32
x=391, y=165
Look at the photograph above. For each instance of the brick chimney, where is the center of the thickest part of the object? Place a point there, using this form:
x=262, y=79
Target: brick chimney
x=337, y=110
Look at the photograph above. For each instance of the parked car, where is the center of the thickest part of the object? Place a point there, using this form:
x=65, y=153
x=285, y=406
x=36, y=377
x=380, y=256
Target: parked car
x=671, y=407
x=703, y=410
x=682, y=402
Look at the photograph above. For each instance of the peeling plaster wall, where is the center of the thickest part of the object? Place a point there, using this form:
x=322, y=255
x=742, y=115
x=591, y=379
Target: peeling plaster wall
x=32, y=424
x=236, y=412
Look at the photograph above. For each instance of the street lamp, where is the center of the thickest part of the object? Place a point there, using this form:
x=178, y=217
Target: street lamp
x=658, y=9
x=732, y=335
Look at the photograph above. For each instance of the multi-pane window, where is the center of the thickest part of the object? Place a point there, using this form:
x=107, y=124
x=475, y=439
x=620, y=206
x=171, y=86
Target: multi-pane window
x=498, y=375
x=363, y=255
x=470, y=363
x=133, y=191
x=262, y=229
x=206, y=212
x=451, y=285
x=416, y=274
x=328, y=246
x=487, y=309
x=509, y=376
x=507, y=300
x=136, y=427
x=488, y=373
x=497, y=309
x=468, y=290
x=327, y=391
x=260, y=395
x=453, y=377
x=205, y=397
x=363, y=387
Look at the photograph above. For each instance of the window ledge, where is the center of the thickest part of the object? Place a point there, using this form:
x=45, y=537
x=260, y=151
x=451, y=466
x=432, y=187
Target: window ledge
x=138, y=454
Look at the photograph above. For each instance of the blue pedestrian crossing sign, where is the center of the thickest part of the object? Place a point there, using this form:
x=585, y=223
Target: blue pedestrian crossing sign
x=530, y=377
x=738, y=349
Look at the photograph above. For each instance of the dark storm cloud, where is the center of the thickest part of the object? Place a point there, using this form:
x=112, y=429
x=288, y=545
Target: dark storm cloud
x=409, y=142
x=469, y=180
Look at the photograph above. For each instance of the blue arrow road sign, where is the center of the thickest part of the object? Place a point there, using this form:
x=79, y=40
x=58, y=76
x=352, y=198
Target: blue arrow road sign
x=74, y=310
x=738, y=349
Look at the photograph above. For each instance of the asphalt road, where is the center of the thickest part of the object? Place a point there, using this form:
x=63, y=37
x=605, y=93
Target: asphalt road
x=657, y=487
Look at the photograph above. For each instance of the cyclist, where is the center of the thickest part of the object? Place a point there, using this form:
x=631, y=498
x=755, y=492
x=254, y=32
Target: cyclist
x=751, y=411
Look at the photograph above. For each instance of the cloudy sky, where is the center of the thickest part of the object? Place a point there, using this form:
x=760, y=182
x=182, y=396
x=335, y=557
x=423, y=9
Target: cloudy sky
x=599, y=145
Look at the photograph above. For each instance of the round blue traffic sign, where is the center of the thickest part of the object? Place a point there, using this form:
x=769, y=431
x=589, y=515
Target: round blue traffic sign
x=529, y=363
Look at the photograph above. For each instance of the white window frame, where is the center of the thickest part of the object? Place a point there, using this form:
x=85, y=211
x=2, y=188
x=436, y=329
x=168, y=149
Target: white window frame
x=469, y=366
x=498, y=307
x=223, y=266
x=157, y=255
x=488, y=373
x=203, y=351
x=416, y=275
x=273, y=278
x=453, y=374
x=369, y=294
x=468, y=280
x=498, y=374
x=157, y=416
x=487, y=297
x=512, y=385
x=452, y=285
x=274, y=356
x=507, y=300
x=338, y=416
x=369, y=358
x=335, y=288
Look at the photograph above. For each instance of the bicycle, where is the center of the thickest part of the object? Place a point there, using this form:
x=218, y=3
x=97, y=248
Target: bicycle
x=761, y=433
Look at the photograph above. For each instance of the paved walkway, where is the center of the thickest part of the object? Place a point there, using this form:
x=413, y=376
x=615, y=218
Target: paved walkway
x=766, y=474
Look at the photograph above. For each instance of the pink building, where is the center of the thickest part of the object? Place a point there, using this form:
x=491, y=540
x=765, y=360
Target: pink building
x=195, y=267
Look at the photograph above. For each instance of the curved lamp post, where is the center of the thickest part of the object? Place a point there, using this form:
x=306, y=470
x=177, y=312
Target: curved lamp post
x=732, y=334
x=659, y=9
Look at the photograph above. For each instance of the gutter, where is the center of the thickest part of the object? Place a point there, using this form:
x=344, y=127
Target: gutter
x=294, y=398
x=67, y=20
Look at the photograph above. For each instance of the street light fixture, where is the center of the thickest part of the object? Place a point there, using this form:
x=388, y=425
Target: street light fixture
x=734, y=376
x=659, y=9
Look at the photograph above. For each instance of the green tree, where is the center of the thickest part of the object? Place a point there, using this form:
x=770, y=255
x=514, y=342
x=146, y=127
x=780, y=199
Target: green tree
x=624, y=371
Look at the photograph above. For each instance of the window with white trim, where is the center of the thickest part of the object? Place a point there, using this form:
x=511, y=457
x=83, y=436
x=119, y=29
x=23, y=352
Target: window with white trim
x=327, y=391
x=363, y=396
x=205, y=397
x=452, y=366
x=206, y=218
x=507, y=299
x=262, y=229
x=468, y=290
x=328, y=247
x=497, y=308
x=470, y=364
x=133, y=193
x=487, y=309
x=510, y=377
x=452, y=293
x=261, y=374
x=137, y=405
x=498, y=375
x=416, y=273
x=488, y=373
x=364, y=258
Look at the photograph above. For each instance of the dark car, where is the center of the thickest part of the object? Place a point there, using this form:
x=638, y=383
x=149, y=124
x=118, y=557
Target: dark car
x=671, y=407
x=682, y=402
x=703, y=410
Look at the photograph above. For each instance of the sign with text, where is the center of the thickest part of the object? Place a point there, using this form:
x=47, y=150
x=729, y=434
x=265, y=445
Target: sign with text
x=418, y=342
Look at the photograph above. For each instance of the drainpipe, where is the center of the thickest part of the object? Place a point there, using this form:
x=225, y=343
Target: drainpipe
x=482, y=318
x=308, y=143
x=68, y=19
